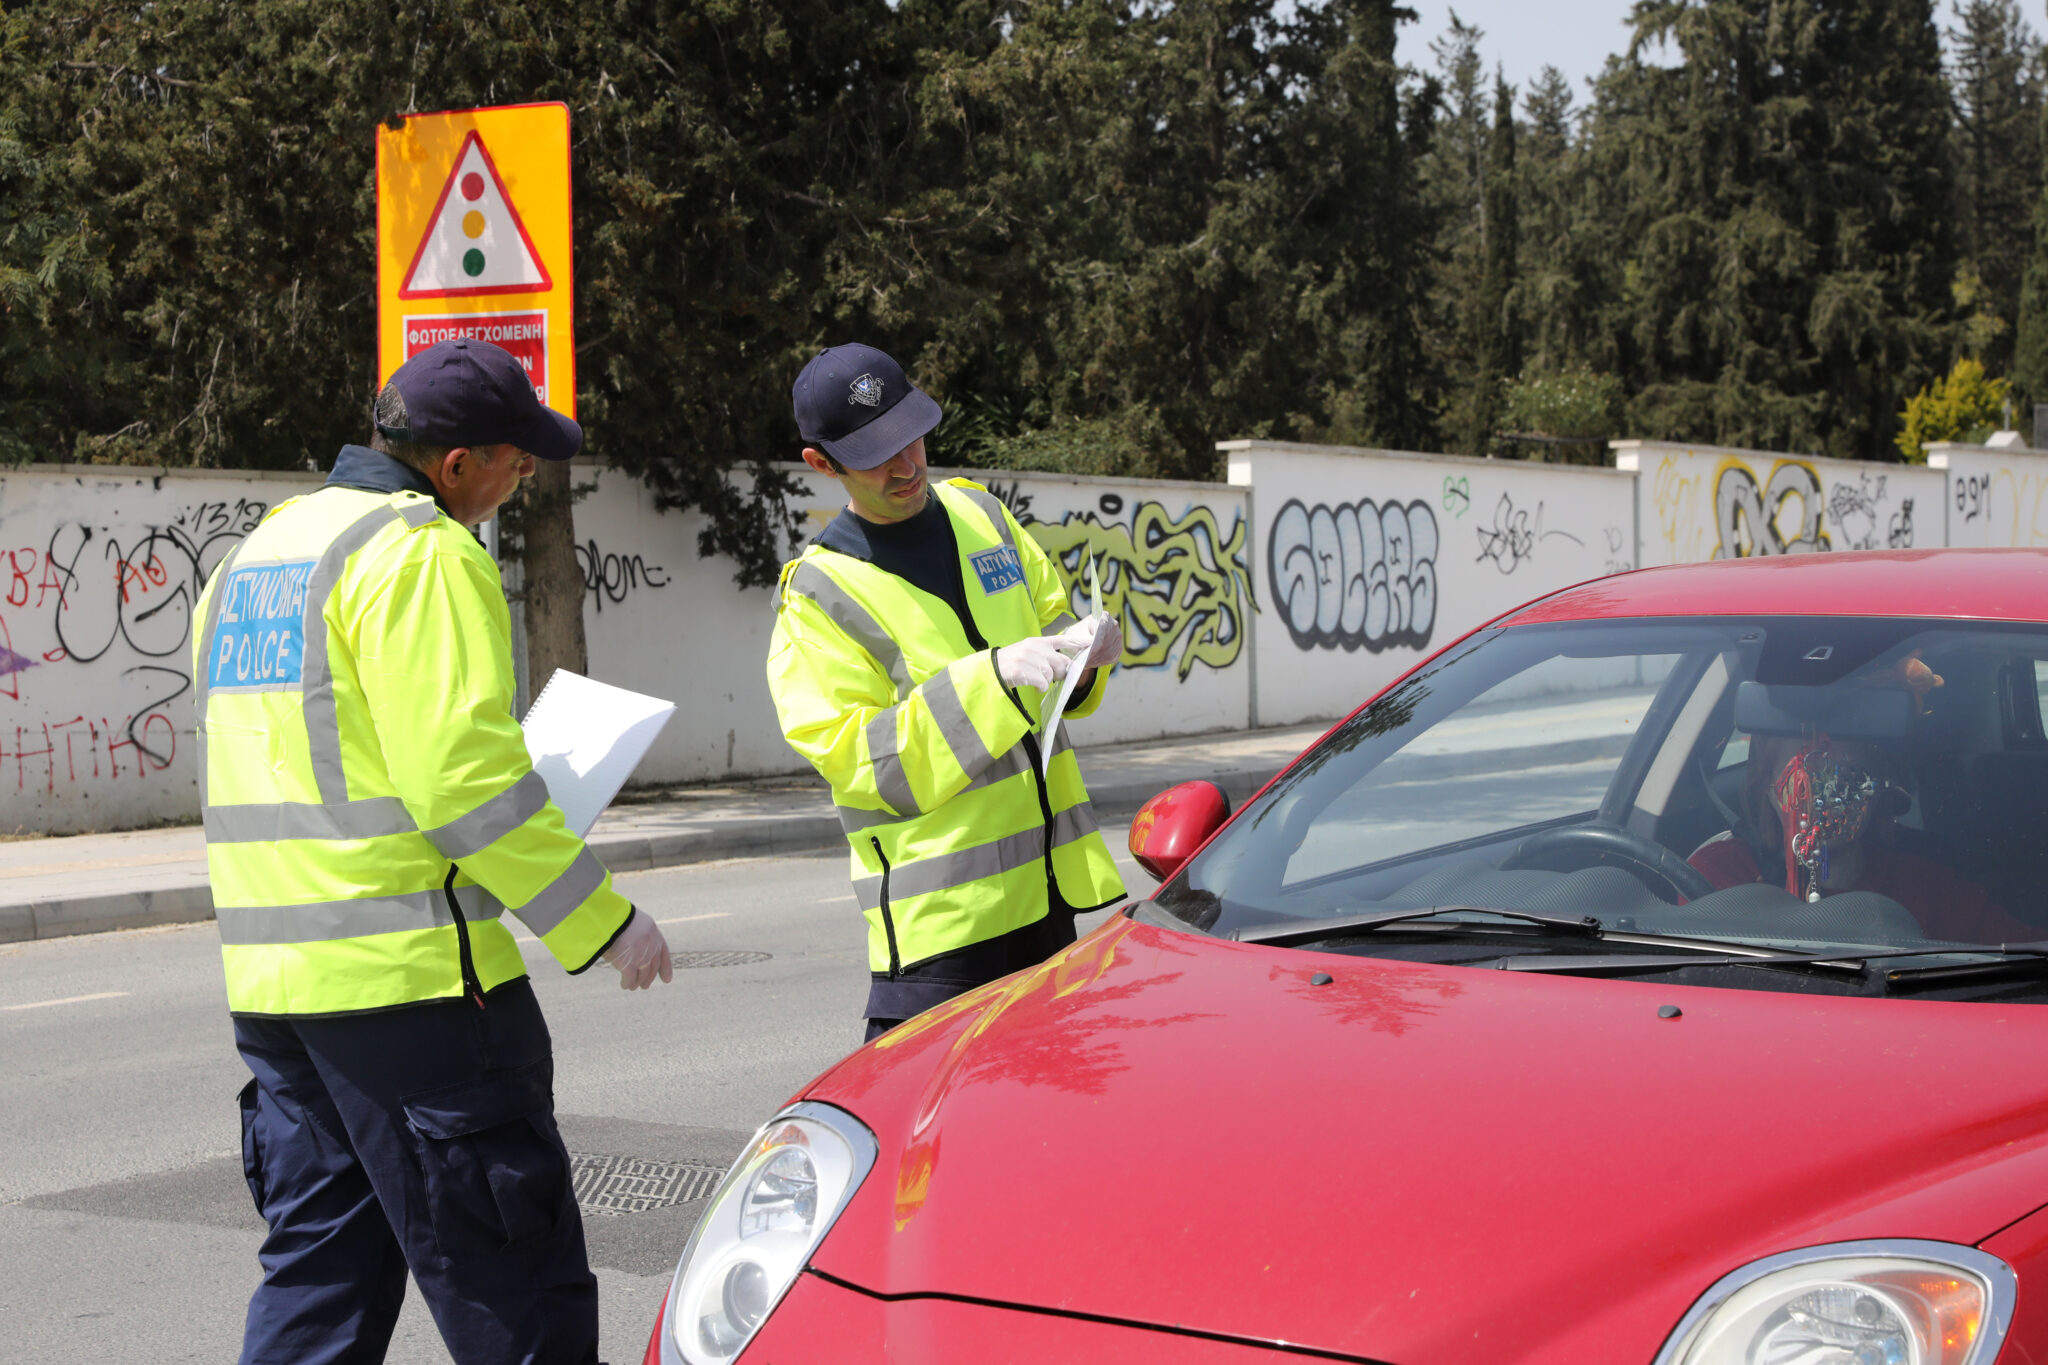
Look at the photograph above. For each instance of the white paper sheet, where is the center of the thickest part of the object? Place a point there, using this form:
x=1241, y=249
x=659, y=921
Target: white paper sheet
x=586, y=738
x=1056, y=702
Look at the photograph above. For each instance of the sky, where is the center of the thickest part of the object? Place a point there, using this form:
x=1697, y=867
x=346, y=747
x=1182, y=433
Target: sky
x=1524, y=36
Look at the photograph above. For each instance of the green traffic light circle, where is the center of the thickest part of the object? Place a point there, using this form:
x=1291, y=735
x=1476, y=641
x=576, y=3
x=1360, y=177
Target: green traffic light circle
x=472, y=262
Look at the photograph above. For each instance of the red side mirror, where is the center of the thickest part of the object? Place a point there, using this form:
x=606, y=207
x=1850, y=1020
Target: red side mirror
x=1173, y=824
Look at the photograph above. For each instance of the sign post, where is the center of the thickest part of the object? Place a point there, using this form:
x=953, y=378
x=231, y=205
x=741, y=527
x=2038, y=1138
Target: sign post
x=473, y=240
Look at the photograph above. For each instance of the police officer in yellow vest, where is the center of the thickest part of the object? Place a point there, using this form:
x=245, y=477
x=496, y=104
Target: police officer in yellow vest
x=914, y=640
x=370, y=810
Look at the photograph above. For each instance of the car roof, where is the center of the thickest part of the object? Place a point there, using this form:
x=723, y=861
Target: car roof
x=1975, y=585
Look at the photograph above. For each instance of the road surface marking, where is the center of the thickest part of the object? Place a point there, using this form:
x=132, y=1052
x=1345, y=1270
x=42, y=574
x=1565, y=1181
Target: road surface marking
x=834, y=900
x=67, y=1000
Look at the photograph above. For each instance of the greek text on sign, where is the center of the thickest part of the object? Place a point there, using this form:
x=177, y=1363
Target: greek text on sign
x=260, y=639
x=474, y=242
x=525, y=335
x=997, y=569
x=474, y=239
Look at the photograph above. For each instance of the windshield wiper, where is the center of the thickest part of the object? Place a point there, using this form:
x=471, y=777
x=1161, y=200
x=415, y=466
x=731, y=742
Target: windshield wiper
x=2019, y=959
x=1309, y=931
x=2015, y=960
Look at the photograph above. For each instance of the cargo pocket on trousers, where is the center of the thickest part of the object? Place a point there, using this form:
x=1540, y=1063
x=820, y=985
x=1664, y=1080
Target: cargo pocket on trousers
x=252, y=1157
x=493, y=1162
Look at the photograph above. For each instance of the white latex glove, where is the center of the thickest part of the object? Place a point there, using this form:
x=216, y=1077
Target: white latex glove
x=1100, y=635
x=639, y=952
x=1035, y=662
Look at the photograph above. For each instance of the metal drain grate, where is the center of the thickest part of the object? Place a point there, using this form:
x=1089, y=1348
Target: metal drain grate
x=733, y=959
x=627, y=1184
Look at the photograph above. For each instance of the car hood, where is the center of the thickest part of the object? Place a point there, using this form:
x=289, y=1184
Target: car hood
x=1411, y=1163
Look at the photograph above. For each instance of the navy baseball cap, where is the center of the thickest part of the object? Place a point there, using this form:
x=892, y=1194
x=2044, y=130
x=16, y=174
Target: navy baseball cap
x=854, y=403
x=465, y=392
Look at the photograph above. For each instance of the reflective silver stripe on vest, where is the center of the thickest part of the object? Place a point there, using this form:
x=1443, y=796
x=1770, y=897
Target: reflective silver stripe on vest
x=326, y=921
x=850, y=616
x=892, y=783
x=992, y=506
x=371, y=818
x=942, y=697
x=560, y=897
x=1059, y=624
x=493, y=820
x=947, y=870
x=323, y=726
x=854, y=819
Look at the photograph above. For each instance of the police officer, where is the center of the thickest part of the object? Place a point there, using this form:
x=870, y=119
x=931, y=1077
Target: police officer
x=370, y=809
x=913, y=642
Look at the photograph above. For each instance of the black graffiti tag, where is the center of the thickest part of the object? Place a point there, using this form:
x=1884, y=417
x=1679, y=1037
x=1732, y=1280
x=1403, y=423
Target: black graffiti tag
x=613, y=577
x=1514, y=535
x=1356, y=576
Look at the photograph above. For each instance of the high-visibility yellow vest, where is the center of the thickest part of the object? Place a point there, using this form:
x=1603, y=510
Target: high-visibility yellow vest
x=932, y=760
x=357, y=746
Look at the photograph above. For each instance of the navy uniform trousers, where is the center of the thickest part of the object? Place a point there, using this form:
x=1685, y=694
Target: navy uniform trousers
x=419, y=1138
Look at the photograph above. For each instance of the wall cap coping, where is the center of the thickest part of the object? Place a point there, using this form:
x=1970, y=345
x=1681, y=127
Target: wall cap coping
x=1254, y=447
x=157, y=471
x=1632, y=450
x=1939, y=451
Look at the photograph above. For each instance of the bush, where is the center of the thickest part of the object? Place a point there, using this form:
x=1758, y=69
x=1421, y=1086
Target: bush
x=1966, y=406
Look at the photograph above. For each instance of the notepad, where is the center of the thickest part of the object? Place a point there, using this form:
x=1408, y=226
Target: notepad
x=586, y=738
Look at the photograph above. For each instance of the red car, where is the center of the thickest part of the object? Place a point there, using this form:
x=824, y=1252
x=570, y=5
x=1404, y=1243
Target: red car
x=1659, y=974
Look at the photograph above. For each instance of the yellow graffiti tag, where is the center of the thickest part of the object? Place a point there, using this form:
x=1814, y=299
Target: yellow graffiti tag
x=1170, y=584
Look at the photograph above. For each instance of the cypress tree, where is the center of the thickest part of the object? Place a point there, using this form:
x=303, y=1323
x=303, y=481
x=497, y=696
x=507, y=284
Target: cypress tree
x=1997, y=94
x=1496, y=344
x=2030, y=351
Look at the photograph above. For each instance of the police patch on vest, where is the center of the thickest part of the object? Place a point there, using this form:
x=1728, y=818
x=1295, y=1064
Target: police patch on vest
x=259, y=640
x=998, y=569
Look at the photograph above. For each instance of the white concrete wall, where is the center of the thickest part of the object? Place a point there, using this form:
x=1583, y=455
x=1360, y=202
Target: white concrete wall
x=1696, y=503
x=99, y=571
x=1996, y=495
x=1368, y=559
x=1175, y=570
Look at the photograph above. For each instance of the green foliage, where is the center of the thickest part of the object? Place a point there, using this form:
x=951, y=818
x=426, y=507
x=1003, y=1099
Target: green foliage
x=1104, y=233
x=1572, y=404
x=1964, y=406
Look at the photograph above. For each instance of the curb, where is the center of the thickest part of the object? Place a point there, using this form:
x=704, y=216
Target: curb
x=740, y=838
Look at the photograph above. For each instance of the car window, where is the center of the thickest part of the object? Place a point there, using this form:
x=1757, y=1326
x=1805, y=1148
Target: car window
x=1536, y=746
x=1783, y=780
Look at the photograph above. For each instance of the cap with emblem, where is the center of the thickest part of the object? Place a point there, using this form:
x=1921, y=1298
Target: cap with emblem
x=853, y=403
x=471, y=393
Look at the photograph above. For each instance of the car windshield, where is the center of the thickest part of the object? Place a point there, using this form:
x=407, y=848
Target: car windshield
x=1794, y=782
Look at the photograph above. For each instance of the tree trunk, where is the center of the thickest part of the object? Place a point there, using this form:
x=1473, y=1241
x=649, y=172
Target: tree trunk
x=553, y=579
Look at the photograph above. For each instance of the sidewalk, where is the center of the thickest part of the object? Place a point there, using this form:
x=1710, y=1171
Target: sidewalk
x=90, y=883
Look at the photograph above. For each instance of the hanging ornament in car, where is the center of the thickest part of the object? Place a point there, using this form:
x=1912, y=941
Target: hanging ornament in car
x=1825, y=801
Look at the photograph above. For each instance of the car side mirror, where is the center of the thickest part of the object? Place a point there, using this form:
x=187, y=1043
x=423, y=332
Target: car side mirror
x=1172, y=825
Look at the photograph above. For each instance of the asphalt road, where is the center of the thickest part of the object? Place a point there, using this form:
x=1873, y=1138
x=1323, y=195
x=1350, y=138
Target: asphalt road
x=127, y=1232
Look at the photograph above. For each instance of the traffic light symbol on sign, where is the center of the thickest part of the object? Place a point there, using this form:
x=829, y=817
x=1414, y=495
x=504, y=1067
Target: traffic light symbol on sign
x=474, y=242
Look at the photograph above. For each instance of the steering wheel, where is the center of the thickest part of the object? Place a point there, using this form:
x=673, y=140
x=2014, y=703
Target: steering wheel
x=1569, y=848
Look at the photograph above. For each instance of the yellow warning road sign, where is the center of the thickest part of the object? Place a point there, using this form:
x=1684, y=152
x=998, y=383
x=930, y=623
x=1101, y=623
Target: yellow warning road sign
x=473, y=239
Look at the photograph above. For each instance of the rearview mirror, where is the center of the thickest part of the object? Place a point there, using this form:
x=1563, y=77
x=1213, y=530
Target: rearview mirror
x=1868, y=713
x=1172, y=825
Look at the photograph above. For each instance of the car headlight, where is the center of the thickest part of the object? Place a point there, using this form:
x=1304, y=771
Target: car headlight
x=773, y=1208
x=1852, y=1303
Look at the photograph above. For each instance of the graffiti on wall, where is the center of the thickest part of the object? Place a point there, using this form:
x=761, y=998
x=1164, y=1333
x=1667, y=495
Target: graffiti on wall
x=1355, y=576
x=1512, y=539
x=95, y=642
x=1789, y=513
x=609, y=576
x=1179, y=586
